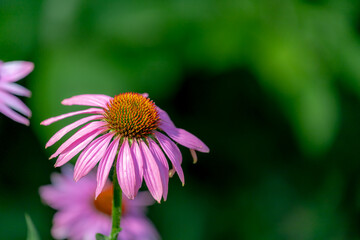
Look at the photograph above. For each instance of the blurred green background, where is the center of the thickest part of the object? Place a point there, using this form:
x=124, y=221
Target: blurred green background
x=272, y=87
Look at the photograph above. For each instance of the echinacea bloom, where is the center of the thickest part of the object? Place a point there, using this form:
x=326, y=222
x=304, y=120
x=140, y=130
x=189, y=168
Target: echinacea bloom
x=131, y=125
x=11, y=106
x=80, y=217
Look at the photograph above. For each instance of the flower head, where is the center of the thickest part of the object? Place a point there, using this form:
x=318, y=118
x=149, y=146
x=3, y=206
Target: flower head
x=10, y=72
x=80, y=217
x=132, y=127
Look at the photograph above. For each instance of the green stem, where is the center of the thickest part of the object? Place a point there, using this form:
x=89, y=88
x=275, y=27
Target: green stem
x=116, y=209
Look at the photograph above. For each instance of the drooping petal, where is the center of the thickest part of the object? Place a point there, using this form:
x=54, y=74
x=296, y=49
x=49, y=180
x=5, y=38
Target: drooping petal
x=95, y=100
x=163, y=165
x=13, y=115
x=139, y=157
x=185, y=138
x=15, y=70
x=173, y=153
x=105, y=166
x=164, y=118
x=15, y=89
x=127, y=171
x=70, y=114
x=194, y=156
x=151, y=173
x=83, y=131
x=76, y=147
x=172, y=172
x=15, y=103
x=57, y=136
x=91, y=155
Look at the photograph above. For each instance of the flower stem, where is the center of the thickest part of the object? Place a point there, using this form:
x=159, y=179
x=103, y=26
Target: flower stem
x=116, y=209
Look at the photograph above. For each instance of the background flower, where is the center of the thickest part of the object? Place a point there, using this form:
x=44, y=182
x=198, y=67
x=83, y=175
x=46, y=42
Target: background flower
x=11, y=72
x=80, y=217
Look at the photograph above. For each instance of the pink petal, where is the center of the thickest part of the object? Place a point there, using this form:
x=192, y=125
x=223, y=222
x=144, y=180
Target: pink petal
x=15, y=89
x=70, y=114
x=15, y=70
x=13, y=115
x=142, y=200
x=105, y=165
x=96, y=100
x=173, y=153
x=163, y=165
x=91, y=155
x=145, y=95
x=127, y=171
x=151, y=173
x=15, y=103
x=139, y=157
x=164, y=118
x=83, y=131
x=77, y=146
x=185, y=138
x=57, y=136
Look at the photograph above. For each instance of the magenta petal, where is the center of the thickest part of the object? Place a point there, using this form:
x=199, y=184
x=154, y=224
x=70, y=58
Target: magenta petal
x=15, y=70
x=15, y=89
x=163, y=165
x=15, y=103
x=91, y=155
x=83, y=131
x=57, y=136
x=151, y=173
x=105, y=165
x=135, y=149
x=96, y=100
x=185, y=138
x=76, y=147
x=13, y=115
x=173, y=153
x=70, y=114
x=164, y=118
x=127, y=171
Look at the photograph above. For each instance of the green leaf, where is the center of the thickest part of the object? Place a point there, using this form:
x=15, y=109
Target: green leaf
x=32, y=232
x=99, y=236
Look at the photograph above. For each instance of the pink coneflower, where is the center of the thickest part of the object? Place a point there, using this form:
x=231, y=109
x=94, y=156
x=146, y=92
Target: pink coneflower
x=11, y=72
x=132, y=124
x=80, y=217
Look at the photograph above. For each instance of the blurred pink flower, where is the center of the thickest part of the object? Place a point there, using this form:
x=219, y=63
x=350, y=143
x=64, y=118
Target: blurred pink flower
x=80, y=217
x=132, y=123
x=10, y=72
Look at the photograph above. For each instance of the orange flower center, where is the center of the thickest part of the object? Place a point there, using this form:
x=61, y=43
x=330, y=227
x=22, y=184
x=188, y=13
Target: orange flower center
x=132, y=115
x=103, y=202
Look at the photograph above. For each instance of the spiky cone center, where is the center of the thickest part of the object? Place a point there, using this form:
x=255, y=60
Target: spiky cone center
x=131, y=115
x=103, y=203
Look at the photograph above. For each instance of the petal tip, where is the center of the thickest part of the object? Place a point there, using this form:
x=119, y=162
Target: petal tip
x=44, y=123
x=97, y=193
